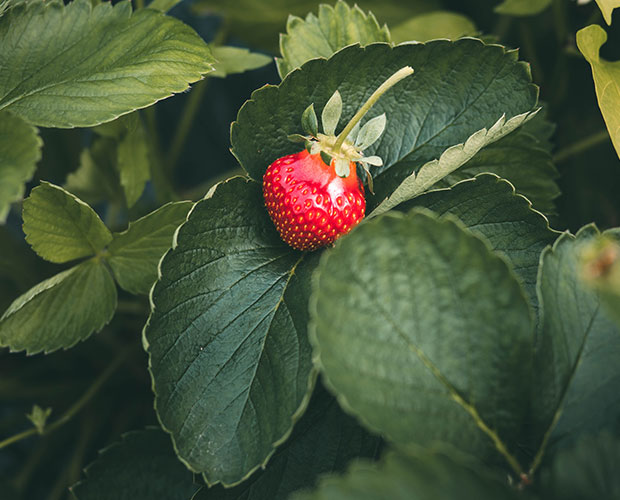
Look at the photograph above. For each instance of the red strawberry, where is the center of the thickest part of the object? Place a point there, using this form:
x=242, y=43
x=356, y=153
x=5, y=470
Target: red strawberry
x=314, y=197
x=309, y=203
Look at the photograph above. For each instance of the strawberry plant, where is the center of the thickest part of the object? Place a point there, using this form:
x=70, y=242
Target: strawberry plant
x=404, y=281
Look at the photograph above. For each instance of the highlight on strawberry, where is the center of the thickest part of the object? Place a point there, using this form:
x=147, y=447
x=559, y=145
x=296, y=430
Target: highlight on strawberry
x=315, y=196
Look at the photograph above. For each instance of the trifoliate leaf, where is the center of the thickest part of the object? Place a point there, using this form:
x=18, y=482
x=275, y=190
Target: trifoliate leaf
x=331, y=114
x=61, y=227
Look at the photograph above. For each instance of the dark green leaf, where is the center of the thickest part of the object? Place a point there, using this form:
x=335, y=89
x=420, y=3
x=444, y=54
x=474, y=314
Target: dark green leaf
x=309, y=121
x=324, y=440
x=135, y=253
x=424, y=334
x=320, y=36
x=60, y=311
x=522, y=7
x=61, y=227
x=226, y=338
x=133, y=163
x=106, y=61
x=432, y=25
x=577, y=349
x=142, y=466
x=489, y=206
x=424, y=476
x=232, y=60
x=20, y=150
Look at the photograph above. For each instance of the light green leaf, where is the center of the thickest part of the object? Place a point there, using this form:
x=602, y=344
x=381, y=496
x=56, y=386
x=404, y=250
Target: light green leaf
x=61, y=227
x=607, y=7
x=133, y=163
x=106, y=61
x=430, y=338
x=20, y=150
x=370, y=132
x=320, y=36
x=577, y=350
x=142, y=466
x=332, y=111
x=60, y=311
x=458, y=89
x=606, y=78
x=38, y=416
x=489, y=206
x=231, y=60
x=325, y=440
x=449, y=161
x=522, y=7
x=587, y=470
x=133, y=255
x=227, y=341
x=438, y=24
x=425, y=476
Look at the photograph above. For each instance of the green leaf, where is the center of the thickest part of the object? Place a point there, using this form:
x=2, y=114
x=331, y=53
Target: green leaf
x=61, y=227
x=522, y=7
x=606, y=78
x=440, y=352
x=232, y=60
x=324, y=440
x=587, y=470
x=320, y=36
x=20, y=150
x=227, y=341
x=60, y=311
x=133, y=163
x=38, y=416
x=426, y=475
x=523, y=160
x=577, y=350
x=461, y=85
x=607, y=7
x=309, y=121
x=142, y=466
x=438, y=24
x=331, y=114
x=489, y=206
x=450, y=160
x=370, y=132
x=106, y=61
x=133, y=255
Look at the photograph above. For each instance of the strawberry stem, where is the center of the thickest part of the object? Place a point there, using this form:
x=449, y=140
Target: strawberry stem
x=383, y=88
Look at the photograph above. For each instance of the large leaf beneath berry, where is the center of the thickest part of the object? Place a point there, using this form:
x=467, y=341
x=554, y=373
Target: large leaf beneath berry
x=607, y=8
x=79, y=65
x=20, y=150
x=606, y=78
x=324, y=441
x=432, y=25
x=60, y=311
x=227, y=340
x=61, y=227
x=430, y=337
x=577, y=349
x=489, y=206
x=458, y=89
x=587, y=470
x=320, y=36
x=423, y=476
x=135, y=253
x=142, y=466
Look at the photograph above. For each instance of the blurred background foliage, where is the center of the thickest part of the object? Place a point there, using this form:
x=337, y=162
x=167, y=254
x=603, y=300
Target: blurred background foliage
x=192, y=132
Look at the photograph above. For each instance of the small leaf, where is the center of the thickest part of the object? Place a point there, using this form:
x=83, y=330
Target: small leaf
x=142, y=466
x=433, y=25
x=423, y=307
x=38, y=416
x=61, y=227
x=20, y=151
x=331, y=114
x=522, y=7
x=107, y=61
x=60, y=311
x=233, y=60
x=135, y=253
x=371, y=131
x=606, y=78
x=334, y=28
x=309, y=121
x=133, y=163
x=343, y=167
x=607, y=7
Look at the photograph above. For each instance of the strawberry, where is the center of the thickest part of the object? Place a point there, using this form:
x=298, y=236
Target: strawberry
x=313, y=197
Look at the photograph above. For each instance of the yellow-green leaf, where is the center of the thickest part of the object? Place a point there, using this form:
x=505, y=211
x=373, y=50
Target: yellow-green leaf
x=607, y=7
x=433, y=25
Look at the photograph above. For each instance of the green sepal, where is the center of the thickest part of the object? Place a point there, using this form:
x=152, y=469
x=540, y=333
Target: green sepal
x=327, y=159
x=331, y=114
x=309, y=121
x=342, y=167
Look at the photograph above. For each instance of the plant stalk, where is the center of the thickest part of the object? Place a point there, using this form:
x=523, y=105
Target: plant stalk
x=582, y=146
x=383, y=88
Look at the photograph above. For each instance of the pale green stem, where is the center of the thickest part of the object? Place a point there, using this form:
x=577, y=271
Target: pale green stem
x=383, y=88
